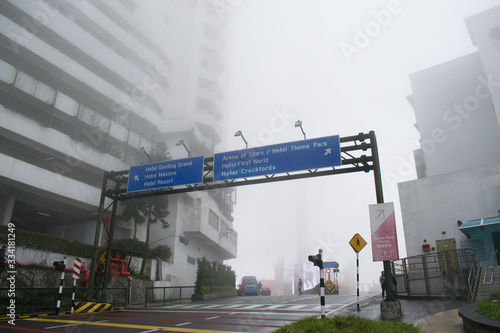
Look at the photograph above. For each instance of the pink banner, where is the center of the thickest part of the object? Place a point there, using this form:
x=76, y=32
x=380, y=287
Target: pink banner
x=384, y=236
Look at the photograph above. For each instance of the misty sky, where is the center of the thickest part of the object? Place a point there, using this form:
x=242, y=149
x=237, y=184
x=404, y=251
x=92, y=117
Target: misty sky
x=307, y=60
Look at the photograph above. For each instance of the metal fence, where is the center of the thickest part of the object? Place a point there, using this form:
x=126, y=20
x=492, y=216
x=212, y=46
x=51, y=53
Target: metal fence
x=164, y=295
x=439, y=274
x=23, y=301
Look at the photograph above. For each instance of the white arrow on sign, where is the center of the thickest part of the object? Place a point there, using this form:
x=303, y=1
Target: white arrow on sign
x=136, y=178
x=328, y=151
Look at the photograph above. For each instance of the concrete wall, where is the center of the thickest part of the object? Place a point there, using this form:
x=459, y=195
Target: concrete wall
x=455, y=116
x=483, y=28
x=433, y=205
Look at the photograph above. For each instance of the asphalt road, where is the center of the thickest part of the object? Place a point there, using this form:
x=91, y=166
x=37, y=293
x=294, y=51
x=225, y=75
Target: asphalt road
x=237, y=314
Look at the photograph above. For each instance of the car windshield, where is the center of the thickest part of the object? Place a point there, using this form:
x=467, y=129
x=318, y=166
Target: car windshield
x=249, y=280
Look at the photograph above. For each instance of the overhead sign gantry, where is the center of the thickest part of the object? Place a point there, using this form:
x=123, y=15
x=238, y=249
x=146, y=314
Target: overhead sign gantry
x=294, y=160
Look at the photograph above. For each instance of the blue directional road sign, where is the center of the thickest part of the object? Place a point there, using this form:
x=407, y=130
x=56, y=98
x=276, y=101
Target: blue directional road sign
x=285, y=157
x=165, y=174
x=330, y=264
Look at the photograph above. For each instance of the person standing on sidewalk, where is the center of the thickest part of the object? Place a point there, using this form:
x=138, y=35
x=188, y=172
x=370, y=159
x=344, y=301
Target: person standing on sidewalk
x=382, y=283
x=300, y=286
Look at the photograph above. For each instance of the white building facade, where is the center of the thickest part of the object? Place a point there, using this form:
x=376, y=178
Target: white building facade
x=458, y=165
x=87, y=87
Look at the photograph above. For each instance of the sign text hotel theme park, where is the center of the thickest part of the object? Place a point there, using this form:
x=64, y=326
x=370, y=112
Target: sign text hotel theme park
x=279, y=158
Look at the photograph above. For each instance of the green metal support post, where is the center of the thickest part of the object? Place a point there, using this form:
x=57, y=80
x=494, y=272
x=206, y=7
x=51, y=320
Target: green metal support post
x=380, y=199
x=97, y=238
x=110, y=240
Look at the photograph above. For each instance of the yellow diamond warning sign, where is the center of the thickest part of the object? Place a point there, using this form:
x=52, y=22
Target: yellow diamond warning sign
x=357, y=243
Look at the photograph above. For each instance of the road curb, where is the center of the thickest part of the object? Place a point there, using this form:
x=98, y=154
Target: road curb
x=80, y=307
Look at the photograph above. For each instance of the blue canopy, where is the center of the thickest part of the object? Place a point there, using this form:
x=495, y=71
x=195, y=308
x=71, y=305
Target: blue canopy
x=468, y=227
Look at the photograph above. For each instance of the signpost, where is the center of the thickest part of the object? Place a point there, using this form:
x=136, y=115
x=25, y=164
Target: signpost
x=76, y=275
x=165, y=174
x=357, y=243
x=280, y=158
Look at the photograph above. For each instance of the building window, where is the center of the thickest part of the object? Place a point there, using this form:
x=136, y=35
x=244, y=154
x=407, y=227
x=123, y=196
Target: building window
x=213, y=220
x=224, y=229
x=191, y=260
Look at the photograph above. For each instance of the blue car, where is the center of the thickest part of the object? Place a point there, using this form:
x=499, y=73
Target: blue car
x=248, y=286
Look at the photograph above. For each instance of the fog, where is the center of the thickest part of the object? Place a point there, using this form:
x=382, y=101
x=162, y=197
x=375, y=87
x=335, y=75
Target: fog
x=341, y=68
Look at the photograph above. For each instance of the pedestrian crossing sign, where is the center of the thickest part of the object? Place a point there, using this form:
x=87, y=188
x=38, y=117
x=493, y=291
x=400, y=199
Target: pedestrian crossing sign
x=357, y=243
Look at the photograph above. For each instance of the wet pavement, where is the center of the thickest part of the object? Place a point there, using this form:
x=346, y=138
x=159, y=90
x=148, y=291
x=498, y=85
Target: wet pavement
x=436, y=315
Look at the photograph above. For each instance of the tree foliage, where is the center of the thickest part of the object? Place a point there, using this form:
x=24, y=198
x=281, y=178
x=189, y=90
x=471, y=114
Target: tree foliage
x=149, y=210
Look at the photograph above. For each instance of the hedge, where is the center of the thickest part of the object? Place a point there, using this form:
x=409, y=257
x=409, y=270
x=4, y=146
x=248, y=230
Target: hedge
x=214, y=277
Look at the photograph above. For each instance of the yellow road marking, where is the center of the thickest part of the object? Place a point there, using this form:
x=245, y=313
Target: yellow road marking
x=142, y=327
x=343, y=306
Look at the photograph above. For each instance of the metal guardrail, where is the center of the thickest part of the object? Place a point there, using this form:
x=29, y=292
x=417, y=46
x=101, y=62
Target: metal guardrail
x=162, y=295
x=488, y=266
x=436, y=274
x=473, y=275
x=23, y=301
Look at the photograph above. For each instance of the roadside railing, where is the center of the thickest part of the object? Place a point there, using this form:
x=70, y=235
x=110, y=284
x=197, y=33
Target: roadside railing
x=164, y=295
x=25, y=300
x=439, y=274
x=490, y=265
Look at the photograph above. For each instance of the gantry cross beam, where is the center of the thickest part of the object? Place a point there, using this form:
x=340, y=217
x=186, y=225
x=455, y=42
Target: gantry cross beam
x=359, y=153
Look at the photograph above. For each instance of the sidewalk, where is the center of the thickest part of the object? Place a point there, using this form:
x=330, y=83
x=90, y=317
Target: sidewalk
x=439, y=315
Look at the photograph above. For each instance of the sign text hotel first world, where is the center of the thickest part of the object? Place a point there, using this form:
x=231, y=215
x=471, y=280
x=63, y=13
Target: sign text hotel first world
x=280, y=158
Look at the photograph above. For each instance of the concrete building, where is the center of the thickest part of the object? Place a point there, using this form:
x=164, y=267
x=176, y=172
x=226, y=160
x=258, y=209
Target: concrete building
x=89, y=86
x=458, y=165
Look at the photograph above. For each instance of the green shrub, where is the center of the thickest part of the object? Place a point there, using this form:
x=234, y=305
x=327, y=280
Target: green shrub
x=136, y=248
x=345, y=324
x=162, y=251
x=38, y=241
x=490, y=307
x=214, y=277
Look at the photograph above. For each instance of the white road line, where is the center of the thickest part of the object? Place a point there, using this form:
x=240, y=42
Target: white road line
x=213, y=306
x=213, y=317
x=295, y=307
x=150, y=331
x=182, y=324
x=69, y=325
x=274, y=306
x=250, y=307
x=190, y=306
x=233, y=306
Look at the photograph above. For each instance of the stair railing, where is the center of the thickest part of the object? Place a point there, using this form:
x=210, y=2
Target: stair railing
x=473, y=273
x=492, y=266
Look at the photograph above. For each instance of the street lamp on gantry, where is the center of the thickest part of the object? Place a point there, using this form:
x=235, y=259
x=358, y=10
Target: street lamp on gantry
x=185, y=147
x=144, y=151
x=239, y=133
x=298, y=123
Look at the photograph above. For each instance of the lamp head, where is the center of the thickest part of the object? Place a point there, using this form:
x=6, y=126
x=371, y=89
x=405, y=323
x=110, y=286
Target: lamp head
x=298, y=123
x=238, y=133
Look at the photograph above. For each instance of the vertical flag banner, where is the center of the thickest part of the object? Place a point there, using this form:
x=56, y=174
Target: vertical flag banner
x=383, y=228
